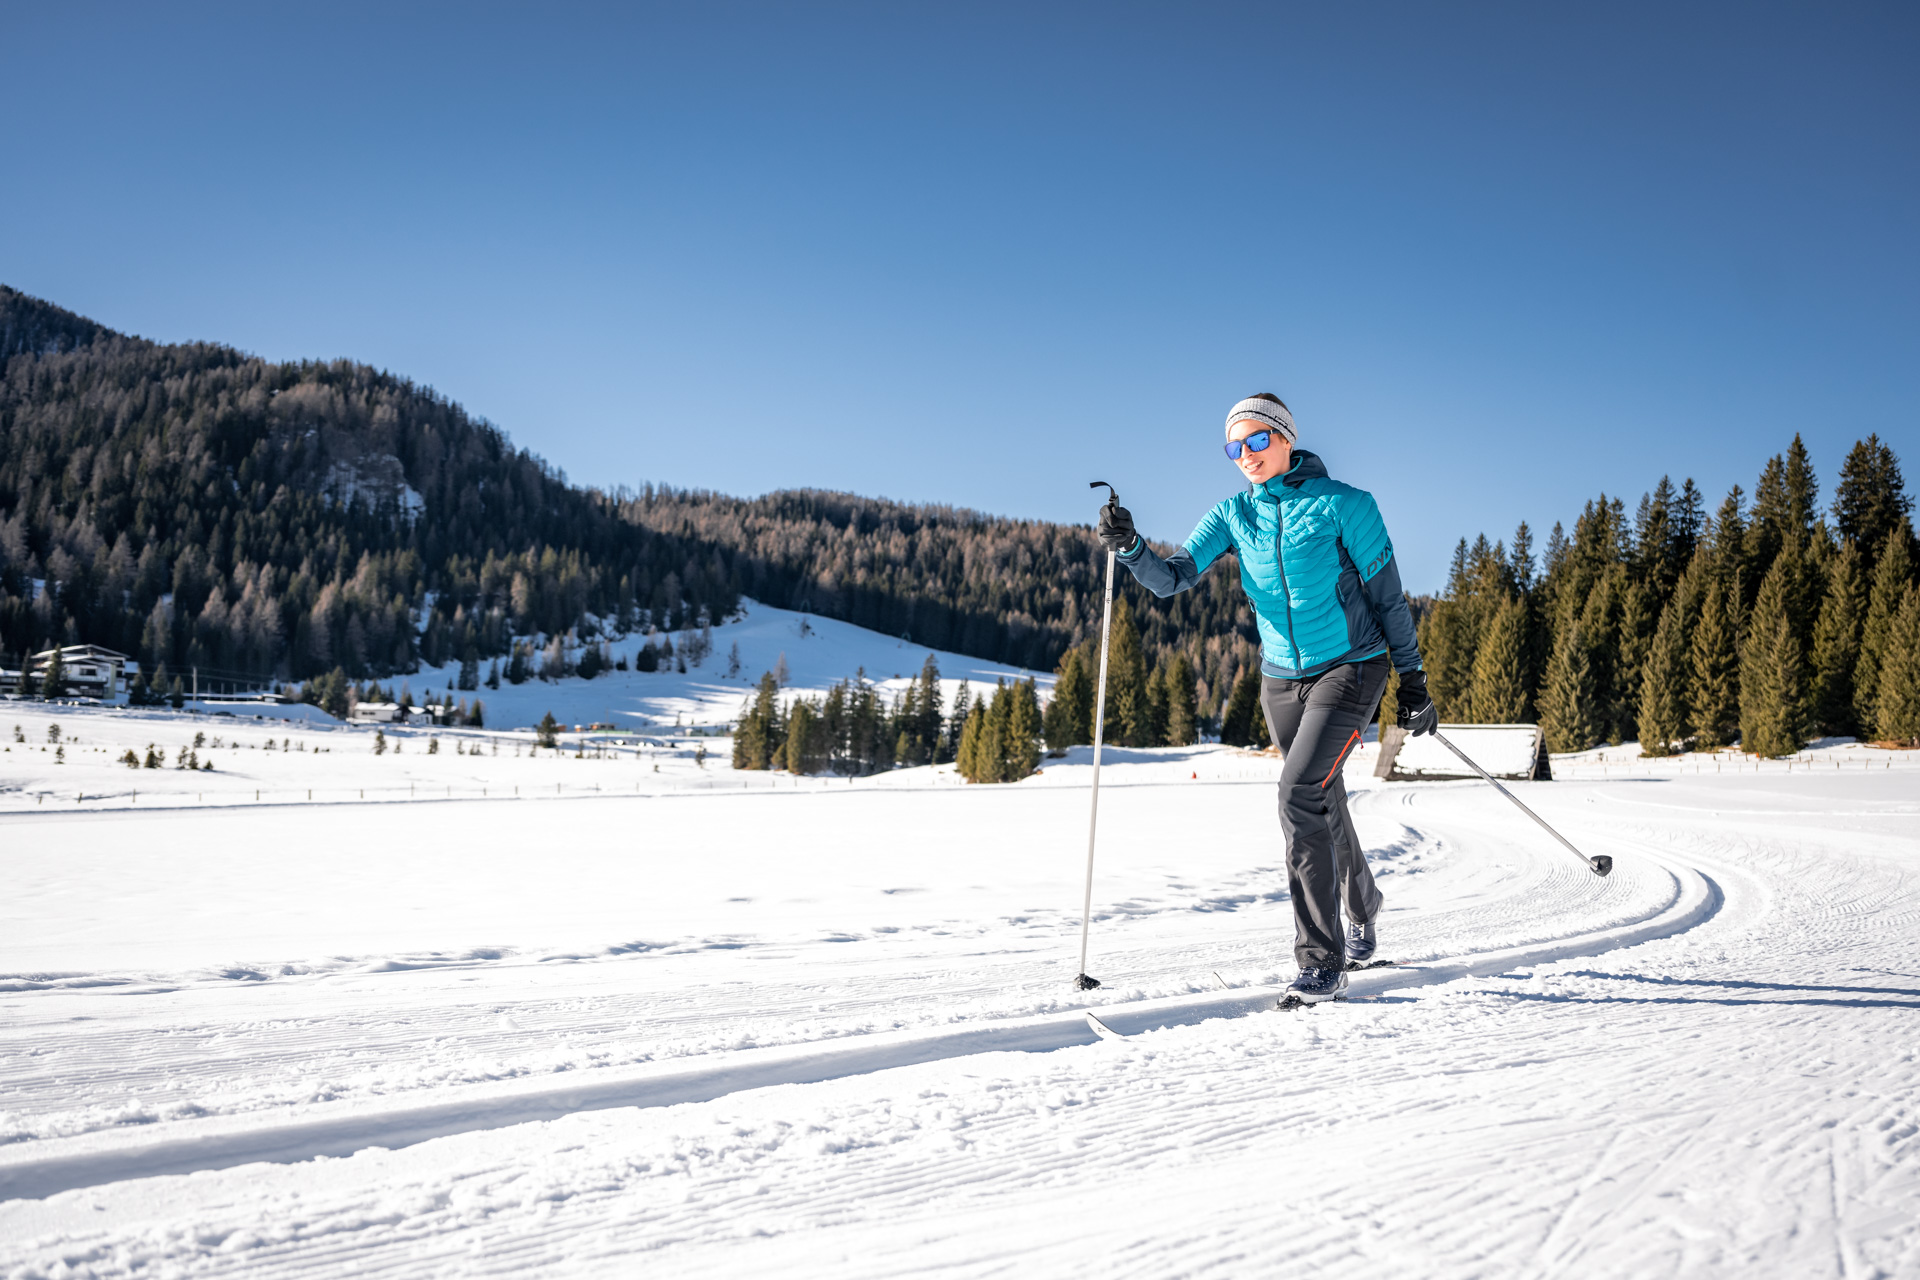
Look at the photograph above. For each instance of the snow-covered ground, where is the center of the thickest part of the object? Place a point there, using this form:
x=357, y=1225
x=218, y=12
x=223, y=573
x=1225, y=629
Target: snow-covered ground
x=688, y=1023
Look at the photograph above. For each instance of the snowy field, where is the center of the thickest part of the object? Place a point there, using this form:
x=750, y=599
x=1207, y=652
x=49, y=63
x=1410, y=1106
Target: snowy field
x=680, y=1022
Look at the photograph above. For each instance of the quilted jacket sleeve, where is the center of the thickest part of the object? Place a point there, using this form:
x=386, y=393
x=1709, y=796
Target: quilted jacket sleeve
x=1179, y=571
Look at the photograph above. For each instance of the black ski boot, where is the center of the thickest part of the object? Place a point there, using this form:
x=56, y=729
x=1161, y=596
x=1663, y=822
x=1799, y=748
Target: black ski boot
x=1360, y=944
x=1314, y=986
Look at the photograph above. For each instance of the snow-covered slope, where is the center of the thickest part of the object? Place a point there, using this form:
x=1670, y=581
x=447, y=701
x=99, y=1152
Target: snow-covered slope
x=827, y=1028
x=819, y=653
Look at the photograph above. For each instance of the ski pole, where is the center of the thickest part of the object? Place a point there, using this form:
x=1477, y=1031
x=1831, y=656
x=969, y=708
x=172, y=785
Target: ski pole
x=1600, y=864
x=1082, y=981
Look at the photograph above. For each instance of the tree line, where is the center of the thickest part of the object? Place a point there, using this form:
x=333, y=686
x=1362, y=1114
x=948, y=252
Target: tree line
x=1764, y=623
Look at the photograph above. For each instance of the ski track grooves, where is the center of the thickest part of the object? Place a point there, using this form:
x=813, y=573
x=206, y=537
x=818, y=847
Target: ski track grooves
x=63, y=1164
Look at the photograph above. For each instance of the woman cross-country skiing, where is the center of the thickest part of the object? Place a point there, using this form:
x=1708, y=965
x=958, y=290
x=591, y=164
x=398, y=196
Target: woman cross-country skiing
x=1319, y=571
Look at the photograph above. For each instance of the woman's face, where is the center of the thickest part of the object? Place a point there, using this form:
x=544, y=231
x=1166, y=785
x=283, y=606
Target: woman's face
x=1269, y=462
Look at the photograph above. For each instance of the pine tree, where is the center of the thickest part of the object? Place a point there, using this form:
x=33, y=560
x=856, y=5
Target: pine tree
x=547, y=733
x=1022, y=743
x=1128, y=721
x=1730, y=545
x=1183, y=710
x=931, y=717
x=1635, y=637
x=1664, y=710
x=962, y=707
x=1715, y=660
x=994, y=736
x=1498, y=693
x=1567, y=702
x=1773, y=676
x=1069, y=717
x=973, y=722
x=1890, y=579
x=1897, y=709
x=1870, y=501
x=760, y=735
x=54, y=683
x=470, y=668
x=1450, y=633
x=1600, y=627
x=1836, y=644
x=1153, y=733
x=804, y=751
x=1244, y=724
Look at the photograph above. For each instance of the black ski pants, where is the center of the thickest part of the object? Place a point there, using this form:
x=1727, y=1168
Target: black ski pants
x=1315, y=722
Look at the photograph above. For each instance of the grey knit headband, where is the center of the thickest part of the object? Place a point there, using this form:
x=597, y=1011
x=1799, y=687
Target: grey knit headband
x=1265, y=412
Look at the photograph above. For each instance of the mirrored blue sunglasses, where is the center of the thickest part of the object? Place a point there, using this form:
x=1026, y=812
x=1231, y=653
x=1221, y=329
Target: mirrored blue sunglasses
x=1255, y=440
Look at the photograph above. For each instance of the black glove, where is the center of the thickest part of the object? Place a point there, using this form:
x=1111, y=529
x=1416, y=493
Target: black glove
x=1417, y=713
x=1116, y=528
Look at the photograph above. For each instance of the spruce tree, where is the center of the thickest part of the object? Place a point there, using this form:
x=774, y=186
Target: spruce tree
x=1128, y=721
x=994, y=733
x=54, y=683
x=1730, y=545
x=931, y=719
x=802, y=749
x=1567, y=710
x=1897, y=709
x=1449, y=635
x=1153, y=733
x=1244, y=724
x=1183, y=711
x=1635, y=637
x=1715, y=659
x=1069, y=718
x=1870, y=501
x=1498, y=693
x=1600, y=627
x=1890, y=579
x=1023, y=730
x=548, y=732
x=972, y=720
x=1662, y=710
x=1773, y=675
x=1836, y=644
x=962, y=708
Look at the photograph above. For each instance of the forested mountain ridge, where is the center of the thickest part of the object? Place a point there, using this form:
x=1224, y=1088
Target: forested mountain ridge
x=194, y=505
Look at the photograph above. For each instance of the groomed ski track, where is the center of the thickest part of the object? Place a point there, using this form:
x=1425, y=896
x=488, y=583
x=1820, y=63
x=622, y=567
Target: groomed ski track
x=1686, y=893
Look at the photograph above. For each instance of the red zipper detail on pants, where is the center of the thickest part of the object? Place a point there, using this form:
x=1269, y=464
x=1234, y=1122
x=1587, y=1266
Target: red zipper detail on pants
x=1337, y=759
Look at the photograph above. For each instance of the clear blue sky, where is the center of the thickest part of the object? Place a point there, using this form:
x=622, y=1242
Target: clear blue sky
x=1497, y=258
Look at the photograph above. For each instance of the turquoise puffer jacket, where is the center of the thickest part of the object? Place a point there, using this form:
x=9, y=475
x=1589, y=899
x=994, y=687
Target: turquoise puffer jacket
x=1316, y=564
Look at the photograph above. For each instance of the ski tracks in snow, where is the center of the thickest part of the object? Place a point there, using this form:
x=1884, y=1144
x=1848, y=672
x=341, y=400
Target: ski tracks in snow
x=1702, y=1064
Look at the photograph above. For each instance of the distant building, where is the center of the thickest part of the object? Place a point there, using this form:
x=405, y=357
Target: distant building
x=376, y=713
x=90, y=671
x=9, y=682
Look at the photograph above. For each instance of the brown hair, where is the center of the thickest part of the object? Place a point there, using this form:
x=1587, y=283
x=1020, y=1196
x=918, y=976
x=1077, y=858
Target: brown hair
x=1269, y=396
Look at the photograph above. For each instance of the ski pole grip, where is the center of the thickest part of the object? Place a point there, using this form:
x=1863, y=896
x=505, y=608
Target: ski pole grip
x=1113, y=498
